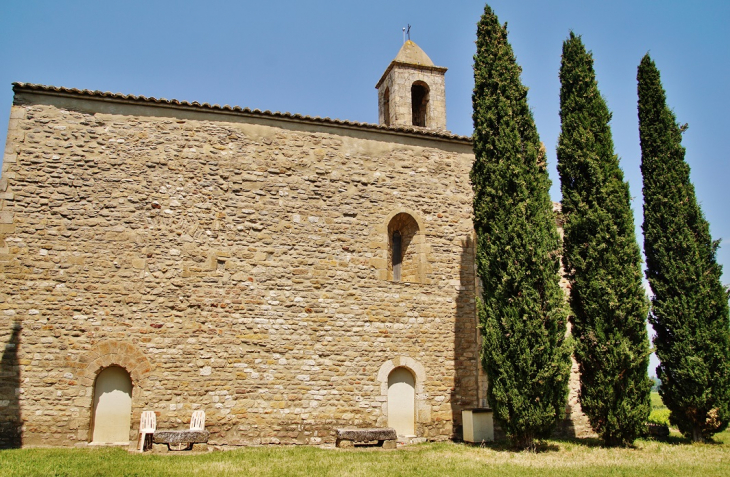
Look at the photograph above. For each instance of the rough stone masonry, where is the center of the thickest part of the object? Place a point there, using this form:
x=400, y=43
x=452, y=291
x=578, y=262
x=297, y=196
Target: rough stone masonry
x=235, y=261
x=229, y=261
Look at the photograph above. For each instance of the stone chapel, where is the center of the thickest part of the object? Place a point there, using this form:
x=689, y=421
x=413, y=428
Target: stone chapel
x=287, y=274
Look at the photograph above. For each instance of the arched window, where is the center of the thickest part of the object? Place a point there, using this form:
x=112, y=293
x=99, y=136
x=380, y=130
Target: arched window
x=386, y=107
x=419, y=103
x=404, y=251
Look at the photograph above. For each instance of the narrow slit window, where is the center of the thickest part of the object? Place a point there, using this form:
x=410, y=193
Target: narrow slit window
x=386, y=107
x=397, y=256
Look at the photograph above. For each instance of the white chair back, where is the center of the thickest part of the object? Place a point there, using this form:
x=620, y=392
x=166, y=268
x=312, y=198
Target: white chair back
x=197, y=422
x=148, y=422
x=147, y=426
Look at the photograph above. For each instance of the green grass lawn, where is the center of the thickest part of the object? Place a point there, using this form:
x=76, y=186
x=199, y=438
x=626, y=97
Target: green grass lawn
x=578, y=457
x=674, y=456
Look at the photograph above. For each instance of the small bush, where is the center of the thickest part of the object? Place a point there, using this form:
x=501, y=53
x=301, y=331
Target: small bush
x=659, y=416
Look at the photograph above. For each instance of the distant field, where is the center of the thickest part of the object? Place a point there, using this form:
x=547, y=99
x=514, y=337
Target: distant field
x=581, y=458
x=659, y=412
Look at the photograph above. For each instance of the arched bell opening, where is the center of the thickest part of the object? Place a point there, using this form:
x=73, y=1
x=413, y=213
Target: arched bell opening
x=386, y=107
x=419, y=103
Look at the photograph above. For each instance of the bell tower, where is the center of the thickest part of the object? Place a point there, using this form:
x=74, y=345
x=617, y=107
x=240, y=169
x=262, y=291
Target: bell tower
x=411, y=92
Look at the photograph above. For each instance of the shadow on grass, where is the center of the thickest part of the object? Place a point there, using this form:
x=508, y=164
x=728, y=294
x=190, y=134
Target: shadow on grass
x=675, y=439
x=678, y=439
x=672, y=439
x=590, y=442
x=505, y=446
x=556, y=444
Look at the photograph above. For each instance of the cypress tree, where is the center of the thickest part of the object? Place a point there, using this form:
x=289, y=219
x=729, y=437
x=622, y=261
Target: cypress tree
x=522, y=313
x=690, y=306
x=601, y=258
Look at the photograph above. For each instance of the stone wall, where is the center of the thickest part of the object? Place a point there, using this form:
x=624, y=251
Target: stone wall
x=576, y=423
x=229, y=262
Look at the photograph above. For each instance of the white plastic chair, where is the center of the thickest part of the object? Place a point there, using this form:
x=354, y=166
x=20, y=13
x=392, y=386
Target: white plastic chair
x=147, y=426
x=197, y=422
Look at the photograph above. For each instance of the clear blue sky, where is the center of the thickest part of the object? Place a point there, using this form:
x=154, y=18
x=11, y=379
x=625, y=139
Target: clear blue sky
x=323, y=58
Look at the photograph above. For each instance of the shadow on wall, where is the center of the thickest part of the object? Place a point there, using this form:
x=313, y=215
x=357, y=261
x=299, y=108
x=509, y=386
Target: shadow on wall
x=466, y=342
x=10, y=421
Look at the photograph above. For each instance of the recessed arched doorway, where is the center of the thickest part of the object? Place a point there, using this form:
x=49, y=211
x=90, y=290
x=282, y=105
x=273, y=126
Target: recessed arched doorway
x=112, y=406
x=402, y=402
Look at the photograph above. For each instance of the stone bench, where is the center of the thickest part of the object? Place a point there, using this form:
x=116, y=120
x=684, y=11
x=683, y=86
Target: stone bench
x=657, y=430
x=176, y=440
x=384, y=436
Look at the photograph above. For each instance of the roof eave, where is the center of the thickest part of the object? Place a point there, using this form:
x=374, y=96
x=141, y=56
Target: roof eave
x=439, y=69
x=118, y=98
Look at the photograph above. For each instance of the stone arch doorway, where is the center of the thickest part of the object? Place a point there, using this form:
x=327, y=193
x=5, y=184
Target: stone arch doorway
x=391, y=380
x=402, y=401
x=112, y=413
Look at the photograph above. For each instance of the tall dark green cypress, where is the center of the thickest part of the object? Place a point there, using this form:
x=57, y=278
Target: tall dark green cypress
x=522, y=312
x=601, y=258
x=690, y=306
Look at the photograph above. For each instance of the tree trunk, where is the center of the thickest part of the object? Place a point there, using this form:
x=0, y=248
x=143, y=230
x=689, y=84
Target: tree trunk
x=697, y=433
x=526, y=442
